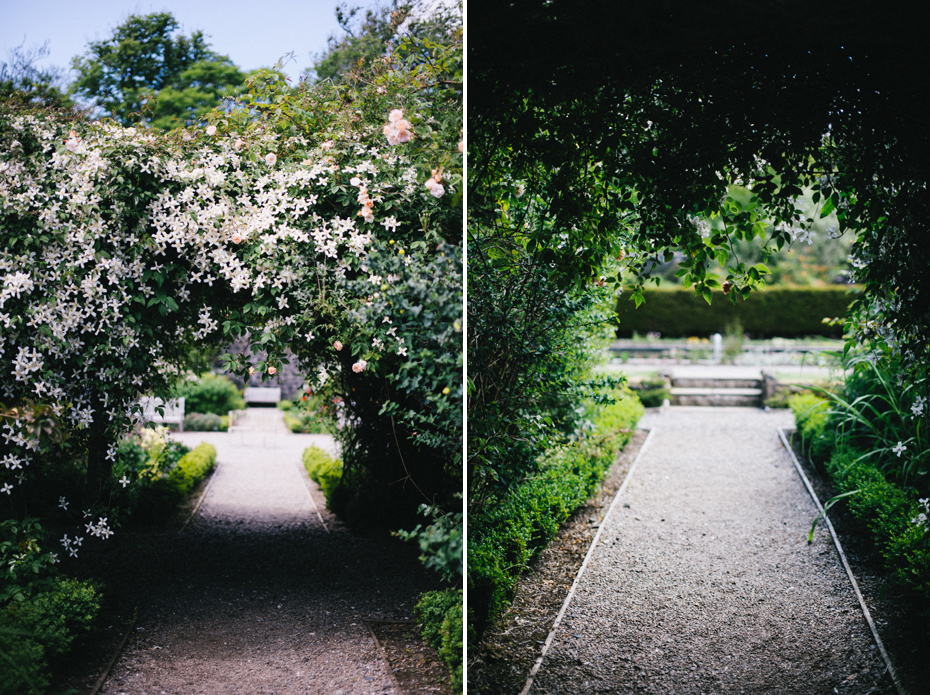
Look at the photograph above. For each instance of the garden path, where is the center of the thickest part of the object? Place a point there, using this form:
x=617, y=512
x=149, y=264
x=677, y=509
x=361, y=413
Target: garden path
x=257, y=594
x=703, y=581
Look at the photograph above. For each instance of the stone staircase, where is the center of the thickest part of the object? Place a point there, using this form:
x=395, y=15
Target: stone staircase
x=725, y=390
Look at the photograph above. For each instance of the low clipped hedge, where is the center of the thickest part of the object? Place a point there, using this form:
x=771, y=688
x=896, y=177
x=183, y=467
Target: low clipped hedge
x=206, y=422
x=812, y=416
x=440, y=616
x=887, y=511
x=508, y=533
x=323, y=469
x=168, y=491
x=777, y=312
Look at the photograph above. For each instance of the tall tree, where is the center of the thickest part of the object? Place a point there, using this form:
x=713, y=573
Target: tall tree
x=373, y=35
x=145, y=63
x=20, y=78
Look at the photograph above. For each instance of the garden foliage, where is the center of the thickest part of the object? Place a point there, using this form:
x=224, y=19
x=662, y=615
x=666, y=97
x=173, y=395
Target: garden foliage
x=310, y=415
x=301, y=218
x=210, y=393
x=509, y=529
x=323, y=469
x=440, y=616
x=870, y=436
x=784, y=312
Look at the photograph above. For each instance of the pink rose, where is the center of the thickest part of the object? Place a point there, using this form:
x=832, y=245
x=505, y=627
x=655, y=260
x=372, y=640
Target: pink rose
x=337, y=345
x=359, y=366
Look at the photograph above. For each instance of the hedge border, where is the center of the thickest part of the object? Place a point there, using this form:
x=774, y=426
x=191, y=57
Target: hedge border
x=778, y=312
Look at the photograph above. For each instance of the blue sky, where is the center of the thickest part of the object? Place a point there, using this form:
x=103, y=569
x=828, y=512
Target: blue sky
x=252, y=32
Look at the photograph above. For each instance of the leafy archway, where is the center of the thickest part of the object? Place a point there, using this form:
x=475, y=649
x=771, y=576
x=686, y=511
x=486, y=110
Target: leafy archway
x=326, y=220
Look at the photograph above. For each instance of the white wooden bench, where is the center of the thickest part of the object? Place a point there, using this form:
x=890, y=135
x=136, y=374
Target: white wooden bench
x=262, y=395
x=173, y=411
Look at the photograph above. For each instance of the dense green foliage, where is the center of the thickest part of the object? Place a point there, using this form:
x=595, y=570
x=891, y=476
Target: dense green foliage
x=508, y=530
x=631, y=147
x=167, y=490
x=324, y=470
x=531, y=345
x=440, y=616
x=784, y=312
x=888, y=511
x=24, y=667
x=206, y=422
x=41, y=628
x=869, y=435
x=211, y=393
x=308, y=416
x=144, y=66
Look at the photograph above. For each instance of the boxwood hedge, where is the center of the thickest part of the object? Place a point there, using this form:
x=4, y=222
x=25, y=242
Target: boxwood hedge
x=509, y=532
x=785, y=312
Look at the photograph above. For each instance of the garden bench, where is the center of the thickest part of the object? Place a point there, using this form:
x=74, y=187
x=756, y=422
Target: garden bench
x=173, y=411
x=255, y=395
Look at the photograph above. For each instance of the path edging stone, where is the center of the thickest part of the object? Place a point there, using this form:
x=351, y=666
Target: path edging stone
x=584, y=565
x=849, y=573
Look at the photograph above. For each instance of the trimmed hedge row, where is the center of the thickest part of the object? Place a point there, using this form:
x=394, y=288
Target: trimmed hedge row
x=440, y=616
x=193, y=467
x=323, y=469
x=887, y=511
x=506, y=535
x=783, y=312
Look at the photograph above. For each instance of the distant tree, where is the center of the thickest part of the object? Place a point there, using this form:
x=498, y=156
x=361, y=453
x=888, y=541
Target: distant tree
x=364, y=40
x=370, y=37
x=19, y=77
x=144, y=64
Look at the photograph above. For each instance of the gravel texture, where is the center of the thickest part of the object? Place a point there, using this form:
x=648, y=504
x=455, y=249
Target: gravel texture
x=262, y=592
x=703, y=581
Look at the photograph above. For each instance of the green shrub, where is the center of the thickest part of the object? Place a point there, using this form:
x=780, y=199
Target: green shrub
x=887, y=511
x=505, y=534
x=812, y=415
x=211, y=393
x=205, y=422
x=169, y=490
x=452, y=648
x=23, y=669
x=54, y=618
x=323, y=469
x=651, y=392
x=306, y=416
x=440, y=616
x=785, y=312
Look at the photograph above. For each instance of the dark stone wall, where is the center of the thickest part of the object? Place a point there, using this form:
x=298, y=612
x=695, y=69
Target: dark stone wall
x=290, y=379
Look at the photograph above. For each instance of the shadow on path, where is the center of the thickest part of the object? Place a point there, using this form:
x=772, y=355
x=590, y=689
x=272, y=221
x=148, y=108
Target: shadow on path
x=256, y=595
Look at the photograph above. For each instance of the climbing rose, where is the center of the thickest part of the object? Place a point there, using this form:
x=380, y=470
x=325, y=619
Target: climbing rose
x=211, y=130
x=359, y=366
x=271, y=158
x=337, y=345
x=272, y=370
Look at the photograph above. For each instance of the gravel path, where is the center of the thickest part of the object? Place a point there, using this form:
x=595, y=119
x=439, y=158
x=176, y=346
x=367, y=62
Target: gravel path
x=703, y=581
x=258, y=594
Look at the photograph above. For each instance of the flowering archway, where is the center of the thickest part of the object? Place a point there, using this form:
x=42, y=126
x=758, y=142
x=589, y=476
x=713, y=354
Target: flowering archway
x=329, y=225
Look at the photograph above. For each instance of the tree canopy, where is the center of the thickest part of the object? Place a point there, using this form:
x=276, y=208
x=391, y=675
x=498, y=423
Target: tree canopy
x=20, y=78
x=625, y=125
x=146, y=63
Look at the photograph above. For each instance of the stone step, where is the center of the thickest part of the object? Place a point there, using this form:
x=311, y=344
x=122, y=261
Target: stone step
x=733, y=397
